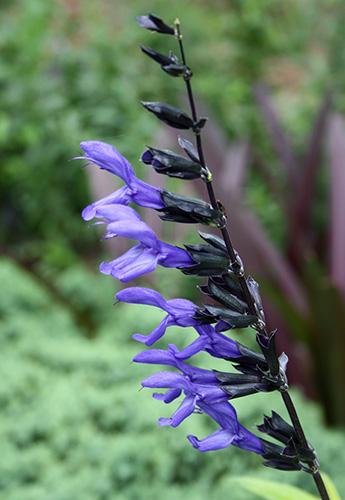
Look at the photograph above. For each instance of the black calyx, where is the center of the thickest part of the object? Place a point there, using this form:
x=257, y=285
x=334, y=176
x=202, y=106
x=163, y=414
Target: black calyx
x=276, y=427
x=254, y=291
x=254, y=375
x=275, y=457
x=249, y=361
x=209, y=261
x=170, y=115
x=225, y=318
x=214, y=241
x=188, y=210
x=199, y=125
x=169, y=64
x=268, y=348
x=229, y=283
x=293, y=453
x=177, y=69
x=237, y=385
x=174, y=117
x=171, y=164
x=161, y=59
x=217, y=290
x=189, y=149
x=154, y=23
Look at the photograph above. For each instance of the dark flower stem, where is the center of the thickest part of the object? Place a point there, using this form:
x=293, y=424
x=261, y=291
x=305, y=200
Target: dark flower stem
x=261, y=328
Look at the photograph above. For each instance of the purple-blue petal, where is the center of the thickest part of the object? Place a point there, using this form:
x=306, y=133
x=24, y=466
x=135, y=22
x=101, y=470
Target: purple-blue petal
x=119, y=197
x=172, y=256
x=168, y=380
x=185, y=409
x=216, y=441
x=134, y=263
x=141, y=295
x=223, y=347
x=246, y=440
x=223, y=413
x=193, y=348
x=199, y=375
x=147, y=157
x=115, y=212
x=145, y=195
x=183, y=311
x=210, y=394
x=155, y=356
x=218, y=345
x=134, y=230
x=108, y=158
x=169, y=396
x=156, y=334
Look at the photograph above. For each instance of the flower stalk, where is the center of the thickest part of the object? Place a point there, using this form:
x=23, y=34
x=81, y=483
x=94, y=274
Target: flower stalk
x=237, y=267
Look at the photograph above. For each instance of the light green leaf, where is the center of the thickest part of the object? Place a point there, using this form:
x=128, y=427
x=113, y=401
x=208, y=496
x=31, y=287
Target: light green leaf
x=271, y=490
x=330, y=487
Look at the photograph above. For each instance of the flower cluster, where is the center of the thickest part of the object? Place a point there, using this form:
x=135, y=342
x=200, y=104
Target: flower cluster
x=235, y=298
x=207, y=391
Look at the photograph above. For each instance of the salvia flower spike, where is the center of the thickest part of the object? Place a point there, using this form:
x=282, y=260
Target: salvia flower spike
x=171, y=206
x=235, y=297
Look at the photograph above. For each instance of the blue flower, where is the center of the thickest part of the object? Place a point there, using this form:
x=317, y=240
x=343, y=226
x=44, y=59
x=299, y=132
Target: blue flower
x=216, y=344
x=180, y=311
x=144, y=257
x=169, y=357
x=231, y=432
x=194, y=394
x=202, y=394
x=136, y=191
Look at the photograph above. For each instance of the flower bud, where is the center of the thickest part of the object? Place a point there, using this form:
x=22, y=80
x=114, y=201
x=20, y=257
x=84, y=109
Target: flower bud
x=170, y=115
x=171, y=164
x=154, y=23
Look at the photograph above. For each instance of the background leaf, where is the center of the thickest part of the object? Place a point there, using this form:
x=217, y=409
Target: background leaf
x=272, y=490
x=330, y=486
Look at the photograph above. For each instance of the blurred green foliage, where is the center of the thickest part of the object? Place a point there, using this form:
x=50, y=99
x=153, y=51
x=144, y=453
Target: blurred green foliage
x=73, y=424
x=61, y=82
x=71, y=71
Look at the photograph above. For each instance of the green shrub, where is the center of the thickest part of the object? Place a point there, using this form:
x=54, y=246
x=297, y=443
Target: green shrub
x=74, y=425
x=69, y=74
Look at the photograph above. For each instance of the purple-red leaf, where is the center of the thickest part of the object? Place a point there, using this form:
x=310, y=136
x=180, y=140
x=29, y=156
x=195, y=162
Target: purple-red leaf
x=235, y=167
x=279, y=139
x=336, y=152
x=300, y=231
